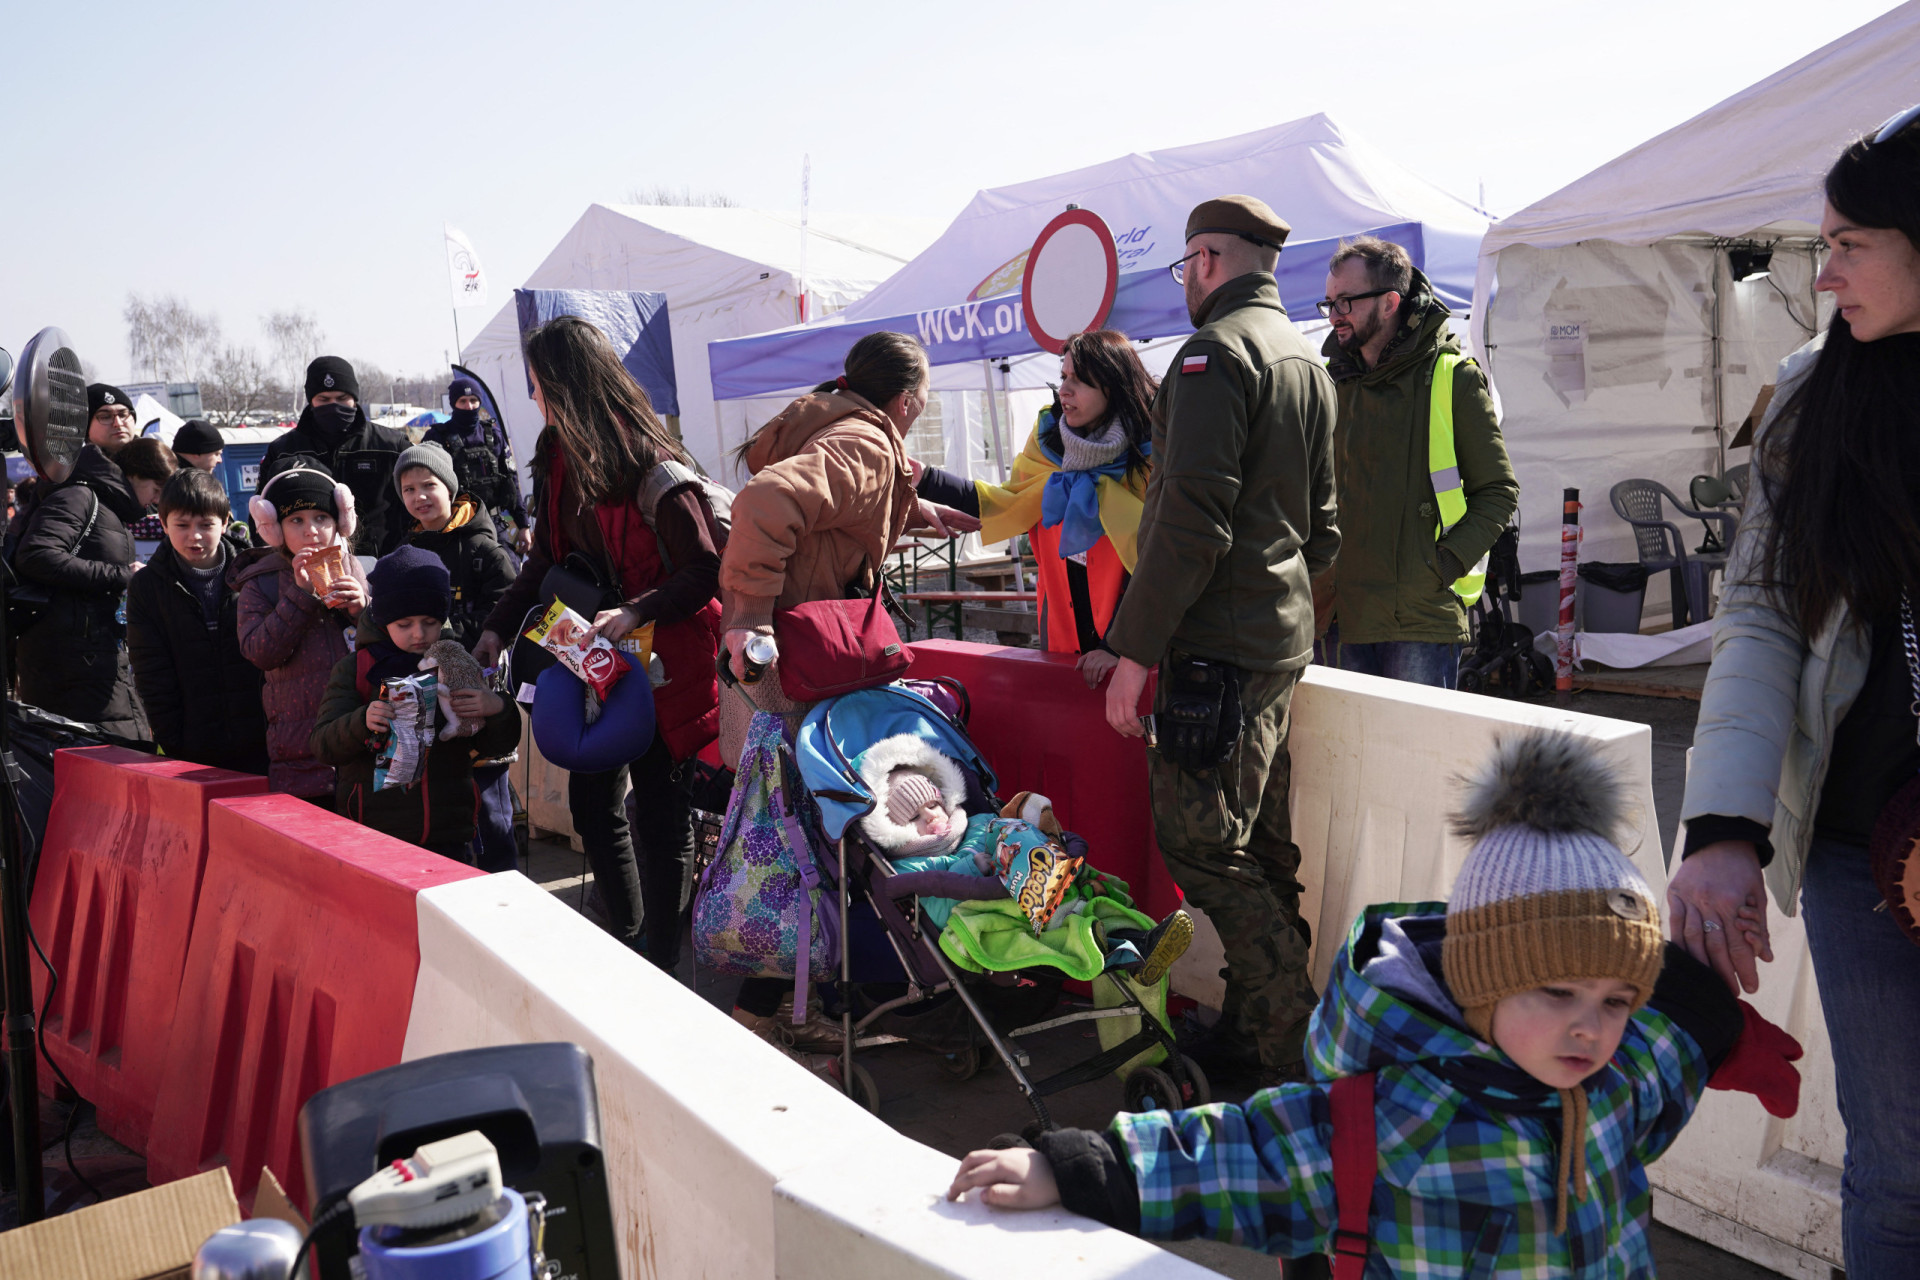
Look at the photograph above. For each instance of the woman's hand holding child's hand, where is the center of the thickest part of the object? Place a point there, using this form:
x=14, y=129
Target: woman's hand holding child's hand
x=1014, y=1178
x=475, y=705
x=379, y=716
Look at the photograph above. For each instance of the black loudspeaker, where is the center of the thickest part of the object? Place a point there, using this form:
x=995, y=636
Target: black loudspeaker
x=536, y=1103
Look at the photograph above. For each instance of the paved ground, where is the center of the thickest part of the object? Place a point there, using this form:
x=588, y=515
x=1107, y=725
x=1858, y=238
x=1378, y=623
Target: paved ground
x=918, y=1094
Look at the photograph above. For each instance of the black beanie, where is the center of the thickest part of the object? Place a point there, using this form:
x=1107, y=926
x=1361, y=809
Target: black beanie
x=331, y=373
x=305, y=485
x=197, y=435
x=461, y=387
x=102, y=394
x=409, y=583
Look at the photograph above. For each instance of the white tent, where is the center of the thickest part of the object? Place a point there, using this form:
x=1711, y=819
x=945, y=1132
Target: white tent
x=1619, y=339
x=725, y=272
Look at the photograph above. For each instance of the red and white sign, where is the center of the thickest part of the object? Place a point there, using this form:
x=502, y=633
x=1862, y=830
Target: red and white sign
x=1072, y=273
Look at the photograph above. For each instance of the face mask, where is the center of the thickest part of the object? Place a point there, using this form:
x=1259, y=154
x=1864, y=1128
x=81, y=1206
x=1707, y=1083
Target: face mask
x=464, y=418
x=334, y=419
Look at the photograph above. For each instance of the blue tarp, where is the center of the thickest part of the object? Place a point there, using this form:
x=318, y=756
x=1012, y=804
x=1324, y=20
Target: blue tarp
x=636, y=323
x=1147, y=304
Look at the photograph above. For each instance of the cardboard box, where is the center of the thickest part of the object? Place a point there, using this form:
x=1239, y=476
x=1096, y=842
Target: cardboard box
x=148, y=1236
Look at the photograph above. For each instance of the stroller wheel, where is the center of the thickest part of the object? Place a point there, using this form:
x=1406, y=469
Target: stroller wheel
x=1151, y=1089
x=1200, y=1093
x=865, y=1091
x=964, y=1065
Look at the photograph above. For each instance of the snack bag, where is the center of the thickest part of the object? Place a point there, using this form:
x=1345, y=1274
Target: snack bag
x=402, y=758
x=326, y=568
x=570, y=638
x=1036, y=871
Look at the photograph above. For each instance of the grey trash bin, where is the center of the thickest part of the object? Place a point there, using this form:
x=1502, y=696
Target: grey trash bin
x=1540, y=600
x=1610, y=596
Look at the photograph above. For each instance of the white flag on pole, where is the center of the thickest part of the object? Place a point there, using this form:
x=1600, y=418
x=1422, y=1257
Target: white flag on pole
x=465, y=278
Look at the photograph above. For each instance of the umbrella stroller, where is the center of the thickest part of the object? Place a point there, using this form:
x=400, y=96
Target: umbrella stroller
x=1501, y=659
x=828, y=746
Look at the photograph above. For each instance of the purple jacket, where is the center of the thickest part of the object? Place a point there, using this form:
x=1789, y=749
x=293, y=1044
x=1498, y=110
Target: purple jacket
x=290, y=635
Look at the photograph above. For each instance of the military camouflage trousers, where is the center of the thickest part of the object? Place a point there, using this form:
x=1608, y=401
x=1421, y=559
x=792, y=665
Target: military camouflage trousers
x=1227, y=837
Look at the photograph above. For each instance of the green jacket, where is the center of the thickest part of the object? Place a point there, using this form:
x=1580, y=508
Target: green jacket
x=1388, y=584
x=1239, y=511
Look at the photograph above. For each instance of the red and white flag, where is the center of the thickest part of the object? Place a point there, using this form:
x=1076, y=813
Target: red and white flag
x=1194, y=364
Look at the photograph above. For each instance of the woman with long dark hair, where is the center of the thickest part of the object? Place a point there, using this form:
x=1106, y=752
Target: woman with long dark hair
x=616, y=497
x=1805, y=759
x=1076, y=491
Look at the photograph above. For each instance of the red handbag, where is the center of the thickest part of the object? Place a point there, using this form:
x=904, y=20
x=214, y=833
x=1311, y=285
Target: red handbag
x=831, y=647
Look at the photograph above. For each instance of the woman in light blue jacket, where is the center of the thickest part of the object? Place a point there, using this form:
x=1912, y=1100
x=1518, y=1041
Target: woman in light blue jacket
x=1808, y=724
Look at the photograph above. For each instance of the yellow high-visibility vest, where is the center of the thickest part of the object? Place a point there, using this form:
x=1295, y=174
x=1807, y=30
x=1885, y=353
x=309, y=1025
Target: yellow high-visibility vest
x=1444, y=467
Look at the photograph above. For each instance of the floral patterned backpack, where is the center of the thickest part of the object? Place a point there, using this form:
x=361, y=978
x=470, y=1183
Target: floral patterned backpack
x=768, y=906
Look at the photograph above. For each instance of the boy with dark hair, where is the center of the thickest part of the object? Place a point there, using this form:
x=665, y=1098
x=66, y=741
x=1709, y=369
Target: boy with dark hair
x=405, y=617
x=183, y=637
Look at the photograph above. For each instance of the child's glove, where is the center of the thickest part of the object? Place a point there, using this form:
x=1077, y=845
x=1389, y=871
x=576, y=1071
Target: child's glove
x=1762, y=1064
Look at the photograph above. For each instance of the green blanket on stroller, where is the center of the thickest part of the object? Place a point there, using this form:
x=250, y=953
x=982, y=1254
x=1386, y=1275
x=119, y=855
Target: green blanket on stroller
x=995, y=936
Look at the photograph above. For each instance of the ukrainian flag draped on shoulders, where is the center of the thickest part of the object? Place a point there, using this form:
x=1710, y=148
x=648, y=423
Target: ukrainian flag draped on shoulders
x=1082, y=505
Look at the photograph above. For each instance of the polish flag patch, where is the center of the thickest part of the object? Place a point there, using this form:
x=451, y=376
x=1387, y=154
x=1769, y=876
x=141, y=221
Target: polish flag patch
x=1194, y=364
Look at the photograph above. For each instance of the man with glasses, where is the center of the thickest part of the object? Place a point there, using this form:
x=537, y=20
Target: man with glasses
x=1425, y=484
x=1239, y=516
x=110, y=424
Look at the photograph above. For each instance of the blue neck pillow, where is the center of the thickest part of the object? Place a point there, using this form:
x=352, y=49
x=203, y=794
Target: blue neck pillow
x=620, y=736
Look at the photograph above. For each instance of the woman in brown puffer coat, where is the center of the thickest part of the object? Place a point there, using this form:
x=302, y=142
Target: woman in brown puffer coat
x=830, y=495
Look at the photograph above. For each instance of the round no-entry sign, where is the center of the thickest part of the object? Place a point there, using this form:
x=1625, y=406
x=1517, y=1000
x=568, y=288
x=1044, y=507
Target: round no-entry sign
x=1072, y=272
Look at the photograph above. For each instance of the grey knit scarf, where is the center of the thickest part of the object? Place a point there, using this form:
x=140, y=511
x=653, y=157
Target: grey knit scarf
x=1085, y=452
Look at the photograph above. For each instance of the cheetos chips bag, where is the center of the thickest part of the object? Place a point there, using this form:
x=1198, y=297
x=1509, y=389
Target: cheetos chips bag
x=1037, y=871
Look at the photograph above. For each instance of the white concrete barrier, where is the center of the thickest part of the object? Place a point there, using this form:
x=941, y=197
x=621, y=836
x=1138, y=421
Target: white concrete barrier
x=726, y=1159
x=1376, y=765
x=1764, y=1188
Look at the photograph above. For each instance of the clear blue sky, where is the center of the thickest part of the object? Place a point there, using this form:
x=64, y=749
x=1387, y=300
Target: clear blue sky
x=255, y=156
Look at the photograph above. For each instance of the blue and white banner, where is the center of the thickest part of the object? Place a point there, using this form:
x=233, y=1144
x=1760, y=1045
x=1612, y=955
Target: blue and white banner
x=1147, y=304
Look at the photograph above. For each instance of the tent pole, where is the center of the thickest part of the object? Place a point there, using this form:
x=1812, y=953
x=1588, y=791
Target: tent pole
x=993, y=419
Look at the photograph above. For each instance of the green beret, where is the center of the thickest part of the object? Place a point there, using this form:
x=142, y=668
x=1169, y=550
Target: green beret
x=1248, y=217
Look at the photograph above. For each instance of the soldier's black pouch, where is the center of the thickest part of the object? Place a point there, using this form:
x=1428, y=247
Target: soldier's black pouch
x=1200, y=719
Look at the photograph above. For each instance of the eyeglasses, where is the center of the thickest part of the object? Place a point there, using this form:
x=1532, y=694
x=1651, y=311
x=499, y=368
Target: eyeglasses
x=1179, y=269
x=115, y=415
x=1897, y=122
x=1343, y=306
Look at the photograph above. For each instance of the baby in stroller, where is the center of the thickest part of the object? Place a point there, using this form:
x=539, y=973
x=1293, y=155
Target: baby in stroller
x=919, y=821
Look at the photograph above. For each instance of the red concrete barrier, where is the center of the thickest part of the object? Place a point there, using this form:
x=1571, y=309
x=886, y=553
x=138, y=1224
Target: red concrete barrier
x=1043, y=730
x=113, y=903
x=300, y=975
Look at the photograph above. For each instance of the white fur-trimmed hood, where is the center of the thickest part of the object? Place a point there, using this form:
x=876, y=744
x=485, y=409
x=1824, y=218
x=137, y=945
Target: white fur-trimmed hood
x=904, y=750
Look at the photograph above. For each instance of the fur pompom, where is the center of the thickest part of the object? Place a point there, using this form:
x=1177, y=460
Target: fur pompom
x=266, y=520
x=1547, y=781
x=349, y=519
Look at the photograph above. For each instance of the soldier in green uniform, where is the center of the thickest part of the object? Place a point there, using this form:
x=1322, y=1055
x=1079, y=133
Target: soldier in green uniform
x=1239, y=516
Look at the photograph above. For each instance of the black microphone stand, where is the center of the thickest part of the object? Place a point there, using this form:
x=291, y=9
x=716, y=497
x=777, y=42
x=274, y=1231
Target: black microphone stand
x=23, y=1085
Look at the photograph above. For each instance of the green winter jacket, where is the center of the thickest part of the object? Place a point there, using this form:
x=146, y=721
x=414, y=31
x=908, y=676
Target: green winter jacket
x=1239, y=512
x=1388, y=584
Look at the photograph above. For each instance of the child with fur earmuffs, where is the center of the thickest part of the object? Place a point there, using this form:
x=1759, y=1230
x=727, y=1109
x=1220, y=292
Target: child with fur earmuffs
x=919, y=821
x=299, y=599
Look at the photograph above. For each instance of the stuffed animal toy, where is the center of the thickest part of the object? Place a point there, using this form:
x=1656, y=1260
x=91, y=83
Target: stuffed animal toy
x=457, y=670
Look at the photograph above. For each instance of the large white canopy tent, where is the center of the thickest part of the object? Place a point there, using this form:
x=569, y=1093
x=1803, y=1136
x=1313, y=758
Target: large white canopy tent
x=1619, y=339
x=1322, y=179
x=725, y=271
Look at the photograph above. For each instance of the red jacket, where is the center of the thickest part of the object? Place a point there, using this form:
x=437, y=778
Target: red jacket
x=290, y=635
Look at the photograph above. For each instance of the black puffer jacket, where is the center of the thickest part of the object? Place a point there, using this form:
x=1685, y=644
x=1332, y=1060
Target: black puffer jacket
x=362, y=459
x=479, y=566
x=73, y=661
x=202, y=696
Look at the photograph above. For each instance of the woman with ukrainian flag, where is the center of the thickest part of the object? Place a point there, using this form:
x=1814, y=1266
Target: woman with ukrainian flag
x=1076, y=491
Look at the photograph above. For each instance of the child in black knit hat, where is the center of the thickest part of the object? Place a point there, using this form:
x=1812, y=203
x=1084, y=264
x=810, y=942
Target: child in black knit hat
x=412, y=596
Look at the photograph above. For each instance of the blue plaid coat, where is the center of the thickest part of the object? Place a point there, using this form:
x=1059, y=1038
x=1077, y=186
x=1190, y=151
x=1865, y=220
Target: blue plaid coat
x=1468, y=1144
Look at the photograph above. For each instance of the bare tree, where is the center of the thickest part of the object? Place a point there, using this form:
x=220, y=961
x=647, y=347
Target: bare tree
x=376, y=384
x=239, y=382
x=661, y=193
x=296, y=340
x=167, y=339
